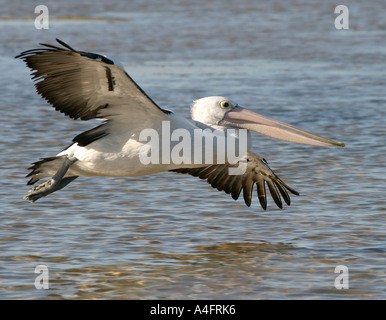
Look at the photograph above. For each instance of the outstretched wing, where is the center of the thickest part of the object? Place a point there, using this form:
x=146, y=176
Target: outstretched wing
x=257, y=172
x=87, y=85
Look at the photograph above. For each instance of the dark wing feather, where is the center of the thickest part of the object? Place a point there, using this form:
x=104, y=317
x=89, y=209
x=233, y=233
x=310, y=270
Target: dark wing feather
x=86, y=85
x=258, y=172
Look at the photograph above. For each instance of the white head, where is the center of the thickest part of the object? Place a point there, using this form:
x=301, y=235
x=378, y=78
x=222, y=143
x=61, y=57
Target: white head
x=209, y=111
x=219, y=113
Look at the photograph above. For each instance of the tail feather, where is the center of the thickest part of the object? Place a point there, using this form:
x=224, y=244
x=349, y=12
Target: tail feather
x=45, y=167
x=56, y=168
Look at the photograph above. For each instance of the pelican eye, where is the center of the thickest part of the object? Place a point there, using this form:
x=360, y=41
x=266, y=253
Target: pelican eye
x=225, y=104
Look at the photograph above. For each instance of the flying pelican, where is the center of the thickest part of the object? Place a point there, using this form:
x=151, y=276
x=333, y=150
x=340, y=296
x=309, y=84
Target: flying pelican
x=85, y=85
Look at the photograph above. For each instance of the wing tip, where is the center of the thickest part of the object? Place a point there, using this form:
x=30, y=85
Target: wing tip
x=263, y=202
x=48, y=47
x=65, y=45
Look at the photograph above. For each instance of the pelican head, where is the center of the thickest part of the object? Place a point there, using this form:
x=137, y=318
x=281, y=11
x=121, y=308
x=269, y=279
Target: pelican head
x=219, y=113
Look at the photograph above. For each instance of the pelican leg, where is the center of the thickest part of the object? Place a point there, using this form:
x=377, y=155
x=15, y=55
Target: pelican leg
x=57, y=182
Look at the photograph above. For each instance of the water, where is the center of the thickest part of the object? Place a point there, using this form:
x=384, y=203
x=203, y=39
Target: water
x=171, y=236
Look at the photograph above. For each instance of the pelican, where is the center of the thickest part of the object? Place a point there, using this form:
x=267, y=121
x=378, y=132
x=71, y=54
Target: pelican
x=85, y=85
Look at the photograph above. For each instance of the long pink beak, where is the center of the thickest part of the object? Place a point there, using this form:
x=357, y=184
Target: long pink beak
x=245, y=119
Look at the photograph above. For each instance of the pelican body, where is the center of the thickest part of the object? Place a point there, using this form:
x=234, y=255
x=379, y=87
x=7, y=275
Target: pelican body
x=85, y=85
